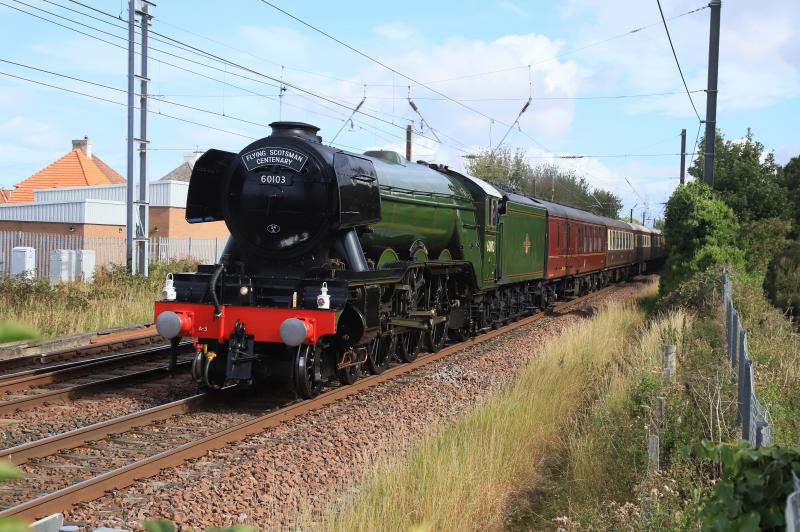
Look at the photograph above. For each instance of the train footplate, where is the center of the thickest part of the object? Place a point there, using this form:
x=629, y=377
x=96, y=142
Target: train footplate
x=240, y=354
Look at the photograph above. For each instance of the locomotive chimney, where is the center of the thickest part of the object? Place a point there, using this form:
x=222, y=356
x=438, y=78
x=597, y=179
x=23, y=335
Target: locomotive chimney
x=295, y=129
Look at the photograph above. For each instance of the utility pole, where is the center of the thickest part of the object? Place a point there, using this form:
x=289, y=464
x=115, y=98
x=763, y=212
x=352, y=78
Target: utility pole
x=137, y=226
x=409, y=132
x=631, y=218
x=683, y=156
x=643, y=212
x=129, y=245
x=143, y=226
x=711, y=92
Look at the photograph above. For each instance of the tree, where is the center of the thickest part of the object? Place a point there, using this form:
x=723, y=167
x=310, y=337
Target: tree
x=700, y=232
x=791, y=180
x=746, y=178
x=782, y=282
x=545, y=181
x=607, y=204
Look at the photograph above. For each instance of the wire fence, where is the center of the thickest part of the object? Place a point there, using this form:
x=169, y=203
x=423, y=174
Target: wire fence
x=793, y=507
x=109, y=251
x=753, y=417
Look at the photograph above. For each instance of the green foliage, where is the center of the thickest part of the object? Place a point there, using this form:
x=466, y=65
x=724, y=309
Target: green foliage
x=9, y=472
x=791, y=180
x=115, y=298
x=700, y=232
x=782, y=281
x=14, y=332
x=762, y=240
x=747, y=179
x=162, y=525
x=546, y=181
x=751, y=495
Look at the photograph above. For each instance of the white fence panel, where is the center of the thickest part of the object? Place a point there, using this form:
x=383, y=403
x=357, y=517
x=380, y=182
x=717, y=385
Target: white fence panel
x=108, y=251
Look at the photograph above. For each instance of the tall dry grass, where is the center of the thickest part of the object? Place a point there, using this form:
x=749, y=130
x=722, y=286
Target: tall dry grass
x=466, y=476
x=605, y=456
x=114, y=299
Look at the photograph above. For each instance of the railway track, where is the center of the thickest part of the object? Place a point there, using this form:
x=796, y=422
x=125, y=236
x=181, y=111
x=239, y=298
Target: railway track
x=83, y=464
x=96, y=346
x=33, y=387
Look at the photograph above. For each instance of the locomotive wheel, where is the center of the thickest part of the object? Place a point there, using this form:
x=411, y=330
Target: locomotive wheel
x=348, y=375
x=306, y=383
x=378, y=359
x=408, y=345
x=436, y=336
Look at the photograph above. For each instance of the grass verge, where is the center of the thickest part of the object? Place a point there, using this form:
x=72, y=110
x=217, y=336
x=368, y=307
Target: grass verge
x=114, y=299
x=469, y=474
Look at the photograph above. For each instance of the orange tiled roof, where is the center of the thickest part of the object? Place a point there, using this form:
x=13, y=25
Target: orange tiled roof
x=72, y=170
x=4, y=195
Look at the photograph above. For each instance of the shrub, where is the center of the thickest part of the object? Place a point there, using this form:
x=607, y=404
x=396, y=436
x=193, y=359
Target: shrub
x=751, y=495
x=700, y=232
x=14, y=332
x=114, y=299
x=782, y=282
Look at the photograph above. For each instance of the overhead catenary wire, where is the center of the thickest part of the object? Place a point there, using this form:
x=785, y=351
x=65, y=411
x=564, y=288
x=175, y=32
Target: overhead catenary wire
x=314, y=96
x=569, y=52
x=516, y=121
x=221, y=43
x=294, y=86
x=381, y=63
x=677, y=63
x=100, y=98
x=349, y=118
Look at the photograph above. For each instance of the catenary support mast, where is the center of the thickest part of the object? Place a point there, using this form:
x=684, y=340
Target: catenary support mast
x=711, y=92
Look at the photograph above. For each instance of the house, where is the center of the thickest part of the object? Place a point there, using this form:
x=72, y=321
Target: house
x=81, y=195
x=78, y=168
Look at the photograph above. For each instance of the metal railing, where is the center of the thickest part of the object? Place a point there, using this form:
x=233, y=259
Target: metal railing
x=752, y=415
x=108, y=250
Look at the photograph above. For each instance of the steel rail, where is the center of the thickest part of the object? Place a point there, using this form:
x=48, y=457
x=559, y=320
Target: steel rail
x=62, y=499
x=39, y=376
x=69, y=440
x=96, y=345
x=27, y=402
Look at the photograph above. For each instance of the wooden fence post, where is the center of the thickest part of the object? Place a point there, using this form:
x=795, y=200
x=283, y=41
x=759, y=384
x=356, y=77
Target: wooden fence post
x=669, y=364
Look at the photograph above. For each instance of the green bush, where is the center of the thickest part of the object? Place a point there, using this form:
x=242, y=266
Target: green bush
x=751, y=495
x=14, y=332
x=115, y=298
x=782, y=282
x=700, y=232
x=162, y=525
x=762, y=241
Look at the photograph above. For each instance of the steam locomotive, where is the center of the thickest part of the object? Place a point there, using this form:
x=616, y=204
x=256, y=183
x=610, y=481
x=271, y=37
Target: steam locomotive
x=340, y=261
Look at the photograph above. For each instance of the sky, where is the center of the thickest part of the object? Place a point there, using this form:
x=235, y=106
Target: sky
x=602, y=78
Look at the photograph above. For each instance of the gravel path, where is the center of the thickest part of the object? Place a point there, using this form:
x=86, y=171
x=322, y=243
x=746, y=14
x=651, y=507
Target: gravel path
x=299, y=466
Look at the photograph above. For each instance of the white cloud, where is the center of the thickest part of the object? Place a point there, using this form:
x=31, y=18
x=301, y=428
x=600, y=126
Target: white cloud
x=786, y=152
x=759, y=47
x=457, y=57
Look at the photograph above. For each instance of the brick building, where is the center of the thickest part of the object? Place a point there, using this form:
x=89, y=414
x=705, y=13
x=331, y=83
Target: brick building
x=80, y=195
